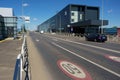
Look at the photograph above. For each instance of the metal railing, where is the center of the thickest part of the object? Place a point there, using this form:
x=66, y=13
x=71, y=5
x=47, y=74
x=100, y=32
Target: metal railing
x=22, y=63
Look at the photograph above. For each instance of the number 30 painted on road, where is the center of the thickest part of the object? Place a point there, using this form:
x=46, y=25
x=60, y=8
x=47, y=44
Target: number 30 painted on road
x=73, y=71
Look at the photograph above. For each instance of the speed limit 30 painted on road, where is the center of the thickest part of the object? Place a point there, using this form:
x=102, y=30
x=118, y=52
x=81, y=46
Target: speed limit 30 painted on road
x=73, y=70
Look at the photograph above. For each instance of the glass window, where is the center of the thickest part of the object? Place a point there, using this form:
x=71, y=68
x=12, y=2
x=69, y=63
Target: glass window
x=10, y=19
x=81, y=16
x=10, y=24
x=72, y=14
x=5, y=20
x=72, y=20
x=65, y=12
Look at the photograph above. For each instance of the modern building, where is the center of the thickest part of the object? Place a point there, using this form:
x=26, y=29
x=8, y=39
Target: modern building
x=75, y=19
x=110, y=31
x=2, y=27
x=118, y=32
x=8, y=23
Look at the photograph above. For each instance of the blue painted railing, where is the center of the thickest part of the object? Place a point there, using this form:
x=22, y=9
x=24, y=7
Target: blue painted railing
x=22, y=63
x=17, y=68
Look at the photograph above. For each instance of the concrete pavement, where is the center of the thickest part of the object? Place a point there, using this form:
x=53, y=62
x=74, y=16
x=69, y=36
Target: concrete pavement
x=9, y=49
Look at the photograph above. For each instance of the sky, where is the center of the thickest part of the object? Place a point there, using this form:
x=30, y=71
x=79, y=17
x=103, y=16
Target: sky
x=41, y=10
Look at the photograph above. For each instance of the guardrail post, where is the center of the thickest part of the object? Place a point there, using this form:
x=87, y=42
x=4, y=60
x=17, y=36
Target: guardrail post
x=17, y=72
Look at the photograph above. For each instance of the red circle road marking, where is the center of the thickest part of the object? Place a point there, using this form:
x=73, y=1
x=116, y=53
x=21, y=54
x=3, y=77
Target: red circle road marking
x=114, y=58
x=73, y=70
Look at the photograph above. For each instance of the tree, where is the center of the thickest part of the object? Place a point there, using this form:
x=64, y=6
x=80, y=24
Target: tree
x=114, y=27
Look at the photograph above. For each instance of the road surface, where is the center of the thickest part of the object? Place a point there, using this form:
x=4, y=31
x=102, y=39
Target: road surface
x=66, y=59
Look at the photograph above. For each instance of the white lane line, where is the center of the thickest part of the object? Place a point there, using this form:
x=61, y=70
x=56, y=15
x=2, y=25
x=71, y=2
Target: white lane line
x=37, y=40
x=98, y=65
x=97, y=47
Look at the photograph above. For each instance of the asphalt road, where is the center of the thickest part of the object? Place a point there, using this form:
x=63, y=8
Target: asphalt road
x=78, y=60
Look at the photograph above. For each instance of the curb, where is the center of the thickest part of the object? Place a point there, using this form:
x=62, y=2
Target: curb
x=2, y=41
x=9, y=39
x=6, y=40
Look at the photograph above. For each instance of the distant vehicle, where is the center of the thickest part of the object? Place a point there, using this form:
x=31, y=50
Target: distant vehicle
x=96, y=37
x=42, y=32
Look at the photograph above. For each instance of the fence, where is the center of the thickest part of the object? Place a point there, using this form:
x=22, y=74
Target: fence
x=21, y=71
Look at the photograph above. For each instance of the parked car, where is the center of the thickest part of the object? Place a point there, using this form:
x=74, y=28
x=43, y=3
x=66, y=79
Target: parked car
x=96, y=37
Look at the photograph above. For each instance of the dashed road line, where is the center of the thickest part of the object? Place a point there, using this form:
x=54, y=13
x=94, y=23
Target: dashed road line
x=37, y=40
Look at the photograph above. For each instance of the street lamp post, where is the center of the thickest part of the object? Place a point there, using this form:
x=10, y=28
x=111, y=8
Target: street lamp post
x=102, y=17
x=22, y=7
x=60, y=22
x=22, y=17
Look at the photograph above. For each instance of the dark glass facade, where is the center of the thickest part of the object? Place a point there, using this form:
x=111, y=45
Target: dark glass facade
x=8, y=26
x=74, y=19
x=2, y=29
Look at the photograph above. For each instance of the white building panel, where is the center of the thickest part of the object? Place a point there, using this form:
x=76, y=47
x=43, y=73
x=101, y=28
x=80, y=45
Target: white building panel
x=74, y=16
x=6, y=12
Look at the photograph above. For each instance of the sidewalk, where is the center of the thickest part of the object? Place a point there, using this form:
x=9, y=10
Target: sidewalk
x=68, y=37
x=9, y=49
x=76, y=38
x=37, y=65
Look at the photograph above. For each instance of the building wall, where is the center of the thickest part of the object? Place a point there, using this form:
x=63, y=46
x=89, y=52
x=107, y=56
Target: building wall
x=71, y=14
x=92, y=13
x=9, y=22
x=6, y=11
x=2, y=27
x=118, y=32
x=77, y=13
x=57, y=23
x=80, y=13
x=110, y=31
x=10, y=26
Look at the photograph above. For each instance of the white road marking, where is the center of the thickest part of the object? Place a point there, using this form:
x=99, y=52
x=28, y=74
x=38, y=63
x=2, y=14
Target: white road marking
x=37, y=40
x=114, y=58
x=90, y=45
x=98, y=65
x=72, y=69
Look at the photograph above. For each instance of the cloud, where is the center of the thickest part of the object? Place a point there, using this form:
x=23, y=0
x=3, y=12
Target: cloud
x=110, y=11
x=35, y=19
x=25, y=4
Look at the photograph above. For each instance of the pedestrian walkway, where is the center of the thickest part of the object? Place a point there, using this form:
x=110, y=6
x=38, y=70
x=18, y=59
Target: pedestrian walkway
x=9, y=49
